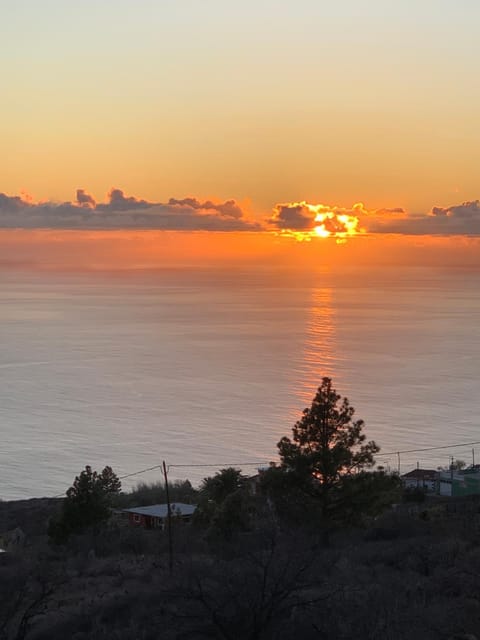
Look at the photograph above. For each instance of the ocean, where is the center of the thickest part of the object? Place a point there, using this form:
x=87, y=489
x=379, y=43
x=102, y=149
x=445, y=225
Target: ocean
x=211, y=366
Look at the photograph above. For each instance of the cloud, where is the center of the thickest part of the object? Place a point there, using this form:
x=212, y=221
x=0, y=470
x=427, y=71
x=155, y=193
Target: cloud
x=303, y=218
x=12, y=204
x=123, y=212
x=84, y=199
x=117, y=201
x=387, y=212
x=229, y=208
x=300, y=219
x=295, y=216
x=466, y=210
x=461, y=219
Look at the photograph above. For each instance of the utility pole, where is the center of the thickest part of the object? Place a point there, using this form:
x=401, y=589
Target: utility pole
x=473, y=458
x=398, y=457
x=169, y=521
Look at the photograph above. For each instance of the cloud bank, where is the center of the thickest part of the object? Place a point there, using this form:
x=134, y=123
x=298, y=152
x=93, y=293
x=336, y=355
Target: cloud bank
x=123, y=212
x=462, y=219
x=191, y=214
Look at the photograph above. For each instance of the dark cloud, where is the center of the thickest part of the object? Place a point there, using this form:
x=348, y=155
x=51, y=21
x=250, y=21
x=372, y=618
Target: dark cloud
x=124, y=212
x=190, y=214
x=118, y=202
x=461, y=219
x=84, y=199
x=292, y=216
x=11, y=204
x=467, y=210
x=229, y=208
x=305, y=219
x=387, y=212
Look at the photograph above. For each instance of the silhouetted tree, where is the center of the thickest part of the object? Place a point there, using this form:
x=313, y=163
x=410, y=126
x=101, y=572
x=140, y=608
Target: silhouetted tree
x=216, y=488
x=225, y=504
x=154, y=493
x=87, y=503
x=327, y=448
x=455, y=465
x=367, y=493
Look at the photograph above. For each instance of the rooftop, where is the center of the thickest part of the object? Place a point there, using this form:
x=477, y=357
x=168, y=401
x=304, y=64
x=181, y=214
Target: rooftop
x=421, y=474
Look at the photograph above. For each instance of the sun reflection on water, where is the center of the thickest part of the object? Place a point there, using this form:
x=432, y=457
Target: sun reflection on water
x=320, y=355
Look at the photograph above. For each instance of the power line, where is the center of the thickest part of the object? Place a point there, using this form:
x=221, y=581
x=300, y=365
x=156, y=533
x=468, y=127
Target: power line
x=127, y=475
x=260, y=462
x=170, y=466
x=222, y=464
x=446, y=446
x=194, y=465
x=137, y=473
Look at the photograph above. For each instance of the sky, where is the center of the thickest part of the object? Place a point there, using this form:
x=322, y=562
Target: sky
x=209, y=115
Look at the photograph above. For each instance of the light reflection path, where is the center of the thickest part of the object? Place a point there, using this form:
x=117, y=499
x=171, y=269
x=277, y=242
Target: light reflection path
x=321, y=355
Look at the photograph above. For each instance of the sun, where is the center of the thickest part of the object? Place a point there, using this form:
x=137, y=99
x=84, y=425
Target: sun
x=320, y=231
x=334, y=224
x=306, y=222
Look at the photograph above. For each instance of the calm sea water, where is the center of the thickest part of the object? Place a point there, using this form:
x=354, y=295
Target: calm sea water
x=213, y=367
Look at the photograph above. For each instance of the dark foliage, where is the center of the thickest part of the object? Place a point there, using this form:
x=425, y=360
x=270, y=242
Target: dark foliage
x=88, y=503
x=225, y=505
x=327, y=443
x=403, y=578
x=154, y=493
x=323, y=461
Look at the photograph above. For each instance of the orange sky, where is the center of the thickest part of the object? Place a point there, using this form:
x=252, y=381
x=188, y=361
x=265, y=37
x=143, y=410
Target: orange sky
x=260, y=100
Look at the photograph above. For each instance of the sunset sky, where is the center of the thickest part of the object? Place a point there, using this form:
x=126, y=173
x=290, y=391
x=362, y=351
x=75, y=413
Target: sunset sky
x=206, y=206
x=208, y=115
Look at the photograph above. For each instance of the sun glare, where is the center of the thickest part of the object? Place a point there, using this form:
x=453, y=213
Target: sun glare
x=326, y=222
x=321, y=232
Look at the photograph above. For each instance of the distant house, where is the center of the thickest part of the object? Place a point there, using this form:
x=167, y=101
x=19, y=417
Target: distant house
x=460, y=483
x=155, y=516
x=424, y=479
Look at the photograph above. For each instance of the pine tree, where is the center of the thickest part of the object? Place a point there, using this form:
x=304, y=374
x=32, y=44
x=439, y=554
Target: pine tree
x=87, y=504
x=326, y=449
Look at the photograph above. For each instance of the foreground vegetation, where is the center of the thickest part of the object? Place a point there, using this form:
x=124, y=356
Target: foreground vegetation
x=401, y=576
x=311, y=548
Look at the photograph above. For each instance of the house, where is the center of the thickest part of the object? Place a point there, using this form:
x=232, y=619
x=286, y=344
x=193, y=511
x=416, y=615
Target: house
x=155, y=516
x=460, y=483
x=424, y=479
